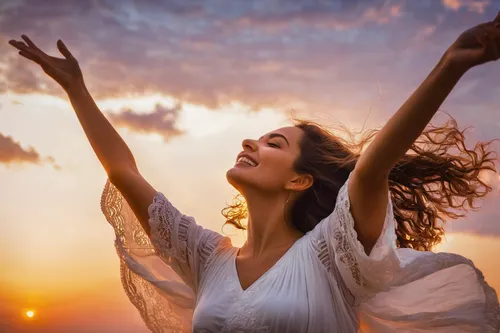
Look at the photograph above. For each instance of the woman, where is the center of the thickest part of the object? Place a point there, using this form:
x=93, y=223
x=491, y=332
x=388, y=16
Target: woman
x=336, y=239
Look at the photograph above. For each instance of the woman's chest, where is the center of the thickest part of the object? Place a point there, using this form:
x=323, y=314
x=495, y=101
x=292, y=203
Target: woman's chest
x=283, y=299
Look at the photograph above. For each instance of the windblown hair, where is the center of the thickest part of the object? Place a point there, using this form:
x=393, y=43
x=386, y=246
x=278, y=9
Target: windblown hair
x=429, y=185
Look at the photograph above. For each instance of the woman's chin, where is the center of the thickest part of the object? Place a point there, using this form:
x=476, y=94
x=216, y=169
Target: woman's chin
x=235, y=175
x=232, y=173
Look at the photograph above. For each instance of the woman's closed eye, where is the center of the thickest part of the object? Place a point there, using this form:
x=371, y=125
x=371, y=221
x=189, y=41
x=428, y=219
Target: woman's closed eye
x=273, y=145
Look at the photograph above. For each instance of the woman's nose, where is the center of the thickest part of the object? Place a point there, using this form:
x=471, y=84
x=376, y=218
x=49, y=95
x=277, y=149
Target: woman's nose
x=249, y=144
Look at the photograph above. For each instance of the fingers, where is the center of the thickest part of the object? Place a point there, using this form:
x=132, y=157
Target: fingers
x=29, y=42
x=29, y=56
x=29, y=52
x=64, y=50
x=22, y=46
x=18, y=45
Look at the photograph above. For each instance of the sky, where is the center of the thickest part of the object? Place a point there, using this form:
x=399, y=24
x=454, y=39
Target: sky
x=184, y=82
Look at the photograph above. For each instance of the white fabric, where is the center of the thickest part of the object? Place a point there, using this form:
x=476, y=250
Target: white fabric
x=184, y=279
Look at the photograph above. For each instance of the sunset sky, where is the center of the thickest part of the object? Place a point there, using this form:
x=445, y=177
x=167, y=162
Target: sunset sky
x=184, y=82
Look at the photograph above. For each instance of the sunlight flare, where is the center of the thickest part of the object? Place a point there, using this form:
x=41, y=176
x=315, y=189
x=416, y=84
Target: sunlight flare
x=30, y=313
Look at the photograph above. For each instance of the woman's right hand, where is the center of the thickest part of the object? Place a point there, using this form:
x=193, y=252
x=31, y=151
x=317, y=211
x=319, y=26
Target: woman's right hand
x=64, y=71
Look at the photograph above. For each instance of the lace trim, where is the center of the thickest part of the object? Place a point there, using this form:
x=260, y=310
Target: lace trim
x=344, y=250
x=112, y=203
x=171, y=244
x=161, y=221
x=344, y=233
x=111, y=206
x=155, y=311
x=157, y=317
x=321, y=248
x=381, y=271
x=182, y=238
x=349, y=249
x=323, y=254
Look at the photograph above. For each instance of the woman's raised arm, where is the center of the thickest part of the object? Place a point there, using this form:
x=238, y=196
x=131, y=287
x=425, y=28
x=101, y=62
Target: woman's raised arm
x=111, y=150
x=369, y=183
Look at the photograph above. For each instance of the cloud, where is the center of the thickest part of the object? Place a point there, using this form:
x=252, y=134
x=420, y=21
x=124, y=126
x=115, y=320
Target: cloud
x=21, y=78
x=334, y=15
x=335, y=59
x=477, y=6
x=207, y=52
x=11, y=152
x=161, y=121
x=484, y=221
x=320, y=56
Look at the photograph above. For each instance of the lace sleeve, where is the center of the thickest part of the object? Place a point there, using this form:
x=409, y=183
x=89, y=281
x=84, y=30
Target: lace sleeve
x=160, y=275
x=361, y=273
x=182, y=243
x=401, y=289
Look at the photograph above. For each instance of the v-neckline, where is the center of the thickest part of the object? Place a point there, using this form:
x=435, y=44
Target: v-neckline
x=260, y=278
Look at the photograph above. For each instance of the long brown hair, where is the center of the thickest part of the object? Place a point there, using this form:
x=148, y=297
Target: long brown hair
x=427, y=186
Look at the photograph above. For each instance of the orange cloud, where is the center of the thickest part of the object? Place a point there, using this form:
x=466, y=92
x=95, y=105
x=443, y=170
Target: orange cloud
x=477, y=6
x=12, y=152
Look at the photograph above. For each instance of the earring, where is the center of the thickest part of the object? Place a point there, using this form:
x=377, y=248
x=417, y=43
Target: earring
x=289, y=193
x=284, y=206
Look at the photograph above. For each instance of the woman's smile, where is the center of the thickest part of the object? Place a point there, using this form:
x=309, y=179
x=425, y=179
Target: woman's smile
x=244, y=164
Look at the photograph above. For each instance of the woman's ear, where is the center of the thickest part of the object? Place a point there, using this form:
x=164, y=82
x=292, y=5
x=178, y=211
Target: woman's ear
x=300, y=183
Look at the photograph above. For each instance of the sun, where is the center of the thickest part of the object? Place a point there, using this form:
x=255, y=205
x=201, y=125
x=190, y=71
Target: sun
x=30, y=313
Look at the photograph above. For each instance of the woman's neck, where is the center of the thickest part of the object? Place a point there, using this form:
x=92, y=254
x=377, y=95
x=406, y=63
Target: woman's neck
x=267, y=228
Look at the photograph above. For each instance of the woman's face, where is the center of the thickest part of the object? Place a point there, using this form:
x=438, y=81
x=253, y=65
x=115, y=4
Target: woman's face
x=271, y=162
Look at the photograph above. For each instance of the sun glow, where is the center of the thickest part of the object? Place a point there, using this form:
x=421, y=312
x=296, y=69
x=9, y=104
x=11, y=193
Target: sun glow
x=30, y=313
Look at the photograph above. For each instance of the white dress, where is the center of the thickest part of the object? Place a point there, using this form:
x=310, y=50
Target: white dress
x=184, y=279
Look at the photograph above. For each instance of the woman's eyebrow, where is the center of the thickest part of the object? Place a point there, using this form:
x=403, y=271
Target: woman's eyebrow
x=274, y=135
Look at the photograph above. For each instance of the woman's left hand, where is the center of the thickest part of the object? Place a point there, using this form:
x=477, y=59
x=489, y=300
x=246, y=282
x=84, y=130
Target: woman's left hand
x=476, y=46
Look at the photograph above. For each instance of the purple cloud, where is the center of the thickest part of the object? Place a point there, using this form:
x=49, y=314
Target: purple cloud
x=213, y=52
x=323, y=54
x=161, y=121
x=340, y=15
